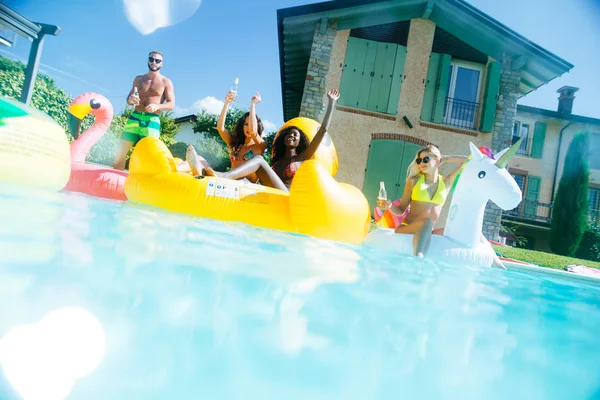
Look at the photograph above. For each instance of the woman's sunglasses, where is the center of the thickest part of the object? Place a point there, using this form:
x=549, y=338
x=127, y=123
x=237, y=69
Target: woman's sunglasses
x=154, y=60
x=425, y=160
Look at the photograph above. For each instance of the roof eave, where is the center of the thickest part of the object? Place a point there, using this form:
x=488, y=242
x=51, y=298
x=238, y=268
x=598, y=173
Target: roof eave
x=539, y=65
x=24, y=27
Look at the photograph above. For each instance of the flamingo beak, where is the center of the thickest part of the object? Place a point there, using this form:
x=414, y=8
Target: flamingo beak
x=80, y=110
x=503, y=161
x=76, y=114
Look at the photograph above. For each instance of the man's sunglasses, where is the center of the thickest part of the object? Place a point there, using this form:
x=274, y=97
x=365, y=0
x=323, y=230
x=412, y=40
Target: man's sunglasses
x=425, y=160
x=154, y=60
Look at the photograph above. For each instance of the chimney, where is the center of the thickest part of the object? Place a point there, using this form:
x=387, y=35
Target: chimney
x=565, y=100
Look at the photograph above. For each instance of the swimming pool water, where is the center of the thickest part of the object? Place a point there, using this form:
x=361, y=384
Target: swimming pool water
x=193, y=308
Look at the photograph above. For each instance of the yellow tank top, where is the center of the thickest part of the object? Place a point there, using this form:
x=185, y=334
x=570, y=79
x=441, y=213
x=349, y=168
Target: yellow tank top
x=419, y=192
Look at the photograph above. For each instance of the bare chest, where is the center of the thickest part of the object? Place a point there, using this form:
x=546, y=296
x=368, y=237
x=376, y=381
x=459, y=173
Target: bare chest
x=151, y=87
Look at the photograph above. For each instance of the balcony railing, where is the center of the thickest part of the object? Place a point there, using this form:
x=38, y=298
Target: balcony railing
x=460, y=113
x=594, y=217
x=525, y=147
x=532, y=211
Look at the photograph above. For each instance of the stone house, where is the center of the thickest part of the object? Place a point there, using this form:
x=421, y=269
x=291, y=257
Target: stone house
x=410, y=72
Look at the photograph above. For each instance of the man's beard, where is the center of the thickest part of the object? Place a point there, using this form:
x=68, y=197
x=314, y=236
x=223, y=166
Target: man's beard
x=153, y=67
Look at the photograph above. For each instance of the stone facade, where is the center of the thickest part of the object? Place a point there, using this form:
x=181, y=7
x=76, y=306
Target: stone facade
x=506, y=109
x=318, y=66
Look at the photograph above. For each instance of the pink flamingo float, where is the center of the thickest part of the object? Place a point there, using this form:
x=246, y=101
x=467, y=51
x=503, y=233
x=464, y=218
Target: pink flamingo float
x=95, y=180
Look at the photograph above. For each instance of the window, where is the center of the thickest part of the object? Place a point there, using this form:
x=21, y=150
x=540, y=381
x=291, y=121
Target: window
x=522, y=131
x=461, y=106
x=530, y=208
x=594, y=205
x=532, y=144
x=453, y=91
x=520, y=179
x=372, y=75
x=594, y=199
x=594, y=158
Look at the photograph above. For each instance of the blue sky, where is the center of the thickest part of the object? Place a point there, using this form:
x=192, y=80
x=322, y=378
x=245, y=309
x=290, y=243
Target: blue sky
x=100, y=50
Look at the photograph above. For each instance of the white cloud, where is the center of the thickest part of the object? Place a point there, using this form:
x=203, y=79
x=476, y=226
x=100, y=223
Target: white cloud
x=269, y=126
x=149, y=15
x=210, y=103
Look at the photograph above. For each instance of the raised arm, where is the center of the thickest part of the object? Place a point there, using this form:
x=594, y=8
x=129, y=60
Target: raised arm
x=449, y=179
x=333, y=95
x=405, y=200
x=225, y=135
x=254, y=122
x=169, y=96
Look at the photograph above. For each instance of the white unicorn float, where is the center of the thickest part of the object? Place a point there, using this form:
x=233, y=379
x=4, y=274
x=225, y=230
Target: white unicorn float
x=482, y=179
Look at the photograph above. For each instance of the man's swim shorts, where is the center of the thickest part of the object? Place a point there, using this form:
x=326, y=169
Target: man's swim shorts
x=141, y=124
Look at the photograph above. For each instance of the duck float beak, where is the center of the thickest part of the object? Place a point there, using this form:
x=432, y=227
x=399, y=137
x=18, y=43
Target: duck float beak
x=77, y=113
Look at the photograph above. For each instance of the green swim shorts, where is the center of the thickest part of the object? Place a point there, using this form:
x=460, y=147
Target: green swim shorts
x=141, y=124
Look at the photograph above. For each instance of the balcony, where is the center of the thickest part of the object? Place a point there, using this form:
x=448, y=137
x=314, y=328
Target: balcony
x=531, y=211
x=525, y=147
x=460, y=113
x=541, y=213
x=594, y=217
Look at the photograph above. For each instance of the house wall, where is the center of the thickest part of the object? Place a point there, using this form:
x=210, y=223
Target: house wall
x=351, y=129
x=186, y=134
x=546, y=166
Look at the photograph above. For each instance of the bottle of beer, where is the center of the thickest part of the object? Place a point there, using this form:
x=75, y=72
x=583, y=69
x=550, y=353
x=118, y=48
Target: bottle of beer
x=234, y=87
x=382, y=197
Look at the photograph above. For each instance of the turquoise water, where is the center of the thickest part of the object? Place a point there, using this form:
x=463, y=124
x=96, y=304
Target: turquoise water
x=192, y=308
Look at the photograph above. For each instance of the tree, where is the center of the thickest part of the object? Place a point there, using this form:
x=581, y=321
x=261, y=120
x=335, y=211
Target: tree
x=569, y=212
x=47, y=97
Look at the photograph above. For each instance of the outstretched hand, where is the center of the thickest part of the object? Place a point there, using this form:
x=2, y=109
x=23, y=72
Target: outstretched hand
x=256, y=99
x=230, y=97
x=333, y=94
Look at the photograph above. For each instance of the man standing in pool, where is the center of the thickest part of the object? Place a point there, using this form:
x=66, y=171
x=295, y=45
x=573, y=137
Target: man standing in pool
x=151, y=94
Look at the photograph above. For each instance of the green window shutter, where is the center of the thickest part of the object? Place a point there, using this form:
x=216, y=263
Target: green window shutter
x=352, y=72
x=382, y=79
x=410, y=150
x=430, y=85
x=367, y=76
x=492, y=85
x=533, y=193
x=382, y=165
x=392, y=106
x=443, y=82
x=539, y=136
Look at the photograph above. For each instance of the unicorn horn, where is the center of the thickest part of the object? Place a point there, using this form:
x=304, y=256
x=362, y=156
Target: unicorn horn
x=503, y=161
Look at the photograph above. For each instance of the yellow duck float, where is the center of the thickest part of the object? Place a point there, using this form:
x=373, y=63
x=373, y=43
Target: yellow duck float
x=316, y=205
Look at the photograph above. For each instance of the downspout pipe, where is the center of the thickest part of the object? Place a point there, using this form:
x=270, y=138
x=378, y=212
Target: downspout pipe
x=560, y=137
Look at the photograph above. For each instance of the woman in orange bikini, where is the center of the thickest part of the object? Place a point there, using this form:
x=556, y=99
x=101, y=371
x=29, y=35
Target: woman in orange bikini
x=291, y=148
x=425, y=192
x=244, y=143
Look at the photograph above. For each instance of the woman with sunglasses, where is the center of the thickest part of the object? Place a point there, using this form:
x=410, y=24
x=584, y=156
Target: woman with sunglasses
x=425, y=192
